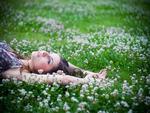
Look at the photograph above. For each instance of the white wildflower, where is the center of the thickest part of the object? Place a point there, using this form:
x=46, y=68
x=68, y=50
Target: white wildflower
x=67, y=94
x=41, y=104
x=140, y=92
x=28, y=107
x=59, y=97
x=91, y=98
x=44, y=92
x=124, y=104
x=147, y=100
x=126, y=88
x=82, y=105
x=55, y=109
x=130, y=111
x=23, y=92
x=12, y=92
x=115, y=93
x=106, y=96
x=1, y=98
x=148, y=79
x=45, y=102
x=74, y=99
x=39, y=98
x=117, y=104
x=56, y=84
x=66, y=107
x=101, y=111
x=5, y=80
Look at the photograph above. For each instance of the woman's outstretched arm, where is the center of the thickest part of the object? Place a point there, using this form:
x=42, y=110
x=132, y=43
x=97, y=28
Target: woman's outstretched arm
x=71, y=66
x=42, y=78
x=100, y=75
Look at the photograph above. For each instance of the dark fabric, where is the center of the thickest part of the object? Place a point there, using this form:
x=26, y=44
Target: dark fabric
x=5, y=46
x=4, y=64
x=7, y=59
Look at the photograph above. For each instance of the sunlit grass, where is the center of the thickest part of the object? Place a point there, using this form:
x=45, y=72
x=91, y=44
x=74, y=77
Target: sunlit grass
x=90, y=34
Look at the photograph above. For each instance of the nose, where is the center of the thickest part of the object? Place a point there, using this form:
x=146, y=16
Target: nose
x=44, y=53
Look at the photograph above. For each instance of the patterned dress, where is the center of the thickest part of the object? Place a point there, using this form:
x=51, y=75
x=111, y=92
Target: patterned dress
x=7, y=58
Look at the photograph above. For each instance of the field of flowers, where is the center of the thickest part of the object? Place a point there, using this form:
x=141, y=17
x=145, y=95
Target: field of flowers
x=92, y=34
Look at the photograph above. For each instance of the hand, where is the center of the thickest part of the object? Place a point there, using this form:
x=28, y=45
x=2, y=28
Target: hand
x=101, y=75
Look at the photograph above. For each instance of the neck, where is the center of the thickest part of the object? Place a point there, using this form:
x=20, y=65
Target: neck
x=27, y=63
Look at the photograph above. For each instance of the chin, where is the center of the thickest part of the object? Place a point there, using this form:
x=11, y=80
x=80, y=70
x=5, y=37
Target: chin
x=34, y=54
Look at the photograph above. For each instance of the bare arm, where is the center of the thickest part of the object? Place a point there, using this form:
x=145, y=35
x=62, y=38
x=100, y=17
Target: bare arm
x=88, y=74
x=42, y=78
x=71, y=66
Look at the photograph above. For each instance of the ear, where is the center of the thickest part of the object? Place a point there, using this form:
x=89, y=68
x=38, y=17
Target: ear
x=40, y=71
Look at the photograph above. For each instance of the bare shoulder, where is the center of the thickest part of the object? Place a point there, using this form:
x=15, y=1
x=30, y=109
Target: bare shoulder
x=14, y=73
x=13, y=70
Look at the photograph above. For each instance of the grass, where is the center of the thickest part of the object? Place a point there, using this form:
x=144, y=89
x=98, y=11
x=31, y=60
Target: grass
x=90, y=34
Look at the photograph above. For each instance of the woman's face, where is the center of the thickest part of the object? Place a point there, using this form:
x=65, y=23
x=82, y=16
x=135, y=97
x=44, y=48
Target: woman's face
x=42, y=61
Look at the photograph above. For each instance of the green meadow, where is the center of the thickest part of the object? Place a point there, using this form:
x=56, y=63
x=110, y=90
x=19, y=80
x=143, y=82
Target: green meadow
x=91, y=34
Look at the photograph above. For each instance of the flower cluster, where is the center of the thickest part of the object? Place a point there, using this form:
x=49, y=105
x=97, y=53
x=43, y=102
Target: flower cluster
x=90, y=34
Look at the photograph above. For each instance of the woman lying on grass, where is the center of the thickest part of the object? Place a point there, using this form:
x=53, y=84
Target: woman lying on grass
x=41, y=63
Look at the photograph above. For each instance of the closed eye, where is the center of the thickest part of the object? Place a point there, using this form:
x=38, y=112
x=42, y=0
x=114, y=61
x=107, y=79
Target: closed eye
x=49, y=61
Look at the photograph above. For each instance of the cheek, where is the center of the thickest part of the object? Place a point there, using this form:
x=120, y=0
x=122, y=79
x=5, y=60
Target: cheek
x=40, y=63
x=43, y=66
